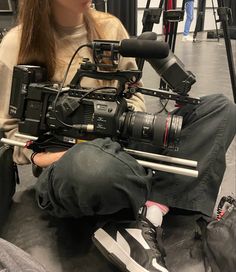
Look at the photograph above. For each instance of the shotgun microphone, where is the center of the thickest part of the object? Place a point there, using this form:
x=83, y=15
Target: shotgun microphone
x=136, y=48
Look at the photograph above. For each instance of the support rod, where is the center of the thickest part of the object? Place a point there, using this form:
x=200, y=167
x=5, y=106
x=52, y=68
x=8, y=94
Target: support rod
x=151, y=165
x=169, y=169
x=164, y=158
x=12, y=142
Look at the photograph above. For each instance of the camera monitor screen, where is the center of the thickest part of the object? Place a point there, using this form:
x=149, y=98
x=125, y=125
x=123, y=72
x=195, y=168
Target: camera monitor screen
x=5, y=6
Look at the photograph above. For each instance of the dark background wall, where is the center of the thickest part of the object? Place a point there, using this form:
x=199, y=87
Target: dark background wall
x=126, y=11
x=232, y=27
x=7, y=19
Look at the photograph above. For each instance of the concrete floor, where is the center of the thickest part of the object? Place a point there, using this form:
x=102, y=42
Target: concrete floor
x=64, y=245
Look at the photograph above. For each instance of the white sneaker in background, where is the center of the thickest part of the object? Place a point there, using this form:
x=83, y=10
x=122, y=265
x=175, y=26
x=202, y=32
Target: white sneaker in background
x=187, y=39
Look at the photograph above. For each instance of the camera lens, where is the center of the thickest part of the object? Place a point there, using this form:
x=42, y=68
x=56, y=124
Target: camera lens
x=160, y=130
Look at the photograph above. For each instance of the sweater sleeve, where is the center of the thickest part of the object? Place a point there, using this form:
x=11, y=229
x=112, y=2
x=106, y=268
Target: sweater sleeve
x=8, y=58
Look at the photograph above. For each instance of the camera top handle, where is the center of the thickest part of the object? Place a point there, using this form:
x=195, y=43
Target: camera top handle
x=89, y=69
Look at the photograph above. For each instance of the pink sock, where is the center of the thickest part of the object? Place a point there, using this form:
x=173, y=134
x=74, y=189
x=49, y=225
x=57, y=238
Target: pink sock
x=162, y=207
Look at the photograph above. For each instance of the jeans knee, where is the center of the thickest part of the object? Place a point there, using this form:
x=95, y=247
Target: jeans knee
x=226, y=105
x=222, y=107
x=94, y=179
x=218, y=101
x=221, y=99
x=97, y=169
x=89, y=168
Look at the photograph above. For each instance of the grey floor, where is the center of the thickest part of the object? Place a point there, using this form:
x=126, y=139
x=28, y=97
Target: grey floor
x=64, y=245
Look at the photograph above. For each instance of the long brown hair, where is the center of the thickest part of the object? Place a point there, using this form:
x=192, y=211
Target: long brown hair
x=38, y=40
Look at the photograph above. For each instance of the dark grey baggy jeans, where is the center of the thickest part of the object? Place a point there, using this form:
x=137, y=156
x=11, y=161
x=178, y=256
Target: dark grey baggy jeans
x=98, y=177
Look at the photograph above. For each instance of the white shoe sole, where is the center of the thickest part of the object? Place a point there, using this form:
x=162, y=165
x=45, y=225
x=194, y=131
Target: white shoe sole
x=112, y=251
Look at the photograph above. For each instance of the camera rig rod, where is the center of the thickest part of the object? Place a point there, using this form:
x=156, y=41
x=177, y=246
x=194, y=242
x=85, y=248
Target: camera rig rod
x=164, y=167
x=161, y=157
x=169, y=169
x=12, y=142
x=170, y=95
x=148, y=164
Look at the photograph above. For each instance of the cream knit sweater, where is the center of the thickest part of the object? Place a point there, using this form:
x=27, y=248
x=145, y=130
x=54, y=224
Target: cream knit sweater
x=67, y=41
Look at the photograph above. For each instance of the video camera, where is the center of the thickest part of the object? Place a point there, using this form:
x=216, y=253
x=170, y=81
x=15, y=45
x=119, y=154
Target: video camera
x=54, y=115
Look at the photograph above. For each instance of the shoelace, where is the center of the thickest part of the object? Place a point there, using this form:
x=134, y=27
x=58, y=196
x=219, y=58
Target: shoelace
x=154, y=236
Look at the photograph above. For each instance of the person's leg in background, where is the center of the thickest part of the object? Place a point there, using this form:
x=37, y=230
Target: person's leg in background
x=189, y=8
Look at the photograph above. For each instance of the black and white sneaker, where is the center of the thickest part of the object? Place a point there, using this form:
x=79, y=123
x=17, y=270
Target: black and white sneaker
x=133, y=247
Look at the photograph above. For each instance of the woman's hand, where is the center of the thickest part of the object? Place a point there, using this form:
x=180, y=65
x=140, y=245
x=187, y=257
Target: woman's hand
x=45, y=159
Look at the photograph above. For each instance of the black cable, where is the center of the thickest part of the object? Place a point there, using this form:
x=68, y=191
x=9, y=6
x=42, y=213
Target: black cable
x=164, y=105
x=82, y=126
x=63, y=82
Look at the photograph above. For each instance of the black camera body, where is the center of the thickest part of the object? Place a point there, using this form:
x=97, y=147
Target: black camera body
x=32, y=103
x=85, y=114
x=50, y=111
x=52, y=117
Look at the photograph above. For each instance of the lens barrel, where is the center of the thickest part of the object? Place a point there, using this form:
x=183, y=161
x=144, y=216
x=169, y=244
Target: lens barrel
x=158, y=129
